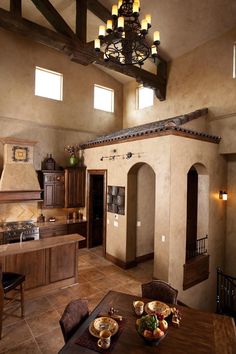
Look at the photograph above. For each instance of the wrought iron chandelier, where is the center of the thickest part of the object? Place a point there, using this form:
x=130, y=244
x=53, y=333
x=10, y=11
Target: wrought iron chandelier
x=124, y=36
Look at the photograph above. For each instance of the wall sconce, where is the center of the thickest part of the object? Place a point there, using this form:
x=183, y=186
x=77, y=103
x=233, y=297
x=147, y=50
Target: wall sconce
x=223, y=195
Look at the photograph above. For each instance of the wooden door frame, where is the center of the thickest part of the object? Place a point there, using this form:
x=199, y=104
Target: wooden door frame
x=104, y=174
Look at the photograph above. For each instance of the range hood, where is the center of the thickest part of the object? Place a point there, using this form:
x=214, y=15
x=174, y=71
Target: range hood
x=19, y=180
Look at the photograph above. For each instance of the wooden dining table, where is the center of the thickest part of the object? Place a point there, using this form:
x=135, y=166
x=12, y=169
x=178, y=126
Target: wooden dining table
x=199, y=332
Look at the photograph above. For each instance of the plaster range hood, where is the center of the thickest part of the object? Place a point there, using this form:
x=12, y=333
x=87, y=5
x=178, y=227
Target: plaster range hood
x=19, y=181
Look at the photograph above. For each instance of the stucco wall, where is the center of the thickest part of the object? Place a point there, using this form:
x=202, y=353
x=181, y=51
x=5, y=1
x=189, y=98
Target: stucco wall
x=172, y=159
x=145, y=210
x=18, y=59
x=200, y=78
x=230, y=248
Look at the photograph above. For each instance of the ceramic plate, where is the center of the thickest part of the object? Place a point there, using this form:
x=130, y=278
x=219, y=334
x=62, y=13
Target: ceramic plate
x=157, y=307
x=103, y=323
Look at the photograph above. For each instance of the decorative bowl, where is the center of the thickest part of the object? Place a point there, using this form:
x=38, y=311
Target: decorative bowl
x=102, y=323
x=148, y=328
x=159, y=307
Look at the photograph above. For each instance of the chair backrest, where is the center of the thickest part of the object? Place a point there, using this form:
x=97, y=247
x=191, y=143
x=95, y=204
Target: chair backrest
x=74, y=314
x=160, y=290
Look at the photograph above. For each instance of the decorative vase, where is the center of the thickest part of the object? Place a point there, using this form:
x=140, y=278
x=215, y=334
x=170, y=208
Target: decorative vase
x=73, y=160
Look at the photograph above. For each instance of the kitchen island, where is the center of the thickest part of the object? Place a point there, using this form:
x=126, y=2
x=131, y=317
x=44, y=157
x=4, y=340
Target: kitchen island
x=48, y=264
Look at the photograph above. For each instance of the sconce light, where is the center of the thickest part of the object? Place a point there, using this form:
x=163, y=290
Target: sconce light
x=223, y=195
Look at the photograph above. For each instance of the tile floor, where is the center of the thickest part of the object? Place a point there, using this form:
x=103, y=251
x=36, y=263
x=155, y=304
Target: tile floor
x=39, y=331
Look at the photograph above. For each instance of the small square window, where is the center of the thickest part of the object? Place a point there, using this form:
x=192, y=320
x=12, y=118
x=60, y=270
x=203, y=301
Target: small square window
x=145, y=97
x=48, y=84
x=103, y=98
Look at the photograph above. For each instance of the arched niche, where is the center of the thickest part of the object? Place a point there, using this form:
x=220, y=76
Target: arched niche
x=140, y=212
x=197, y=207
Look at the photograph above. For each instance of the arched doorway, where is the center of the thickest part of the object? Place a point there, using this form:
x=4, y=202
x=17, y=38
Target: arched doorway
x=140, y=213
x=197, y=210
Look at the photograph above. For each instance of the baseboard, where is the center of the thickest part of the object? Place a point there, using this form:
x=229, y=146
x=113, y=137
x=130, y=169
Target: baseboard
x=145, y=257
x=120, y=263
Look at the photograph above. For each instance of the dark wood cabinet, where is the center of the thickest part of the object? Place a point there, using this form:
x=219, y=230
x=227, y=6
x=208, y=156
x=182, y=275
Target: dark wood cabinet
x=53, y=185
x=62, y=262
x=35, y=274
x=81, y=229
x=66, y=229
x=54, y=230
x=75, y=187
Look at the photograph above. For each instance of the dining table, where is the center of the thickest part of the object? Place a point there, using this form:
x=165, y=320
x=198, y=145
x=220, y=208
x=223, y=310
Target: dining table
x=198, y=332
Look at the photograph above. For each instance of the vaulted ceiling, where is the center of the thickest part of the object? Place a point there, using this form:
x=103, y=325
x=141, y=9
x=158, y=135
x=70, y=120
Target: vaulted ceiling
x=183, y=25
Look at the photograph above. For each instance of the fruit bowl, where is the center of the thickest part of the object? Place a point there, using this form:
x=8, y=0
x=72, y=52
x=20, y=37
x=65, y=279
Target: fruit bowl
x=151, y=329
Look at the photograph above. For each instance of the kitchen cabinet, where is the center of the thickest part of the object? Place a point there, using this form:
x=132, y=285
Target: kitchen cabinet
x=81, y=229
x=53, y=185
x=48, y=264
x=75, y=187
x=53, y=230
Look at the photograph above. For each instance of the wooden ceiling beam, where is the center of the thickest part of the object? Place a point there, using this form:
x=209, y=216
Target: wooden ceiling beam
x=16, y=7
x=53, y=17
x=99, y=10
x=81, y=20
x=35, y=32
x=156, y=82
x=83, y=53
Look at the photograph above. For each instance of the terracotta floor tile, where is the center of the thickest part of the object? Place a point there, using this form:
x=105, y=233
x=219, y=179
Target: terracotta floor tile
x=51, y=342
x=28, y=347
x=37, y=306
x=61, y=297
x=39, y=332
x=14, y=335
x=84, y=290
x=43, y=323
x=92, y=274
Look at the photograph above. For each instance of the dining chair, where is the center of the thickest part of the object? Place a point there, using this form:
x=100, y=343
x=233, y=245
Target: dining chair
x=73, y=316
x=12, y=283
x=160, y=290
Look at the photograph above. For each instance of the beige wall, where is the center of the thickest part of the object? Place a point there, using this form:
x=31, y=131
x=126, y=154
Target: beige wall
x=145, y=210
x=230, y=259
x=172, y=159
x=25, y=115
x=201, y=78
x=51, y=123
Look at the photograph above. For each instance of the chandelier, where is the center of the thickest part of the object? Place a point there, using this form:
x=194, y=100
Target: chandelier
x=124, y=36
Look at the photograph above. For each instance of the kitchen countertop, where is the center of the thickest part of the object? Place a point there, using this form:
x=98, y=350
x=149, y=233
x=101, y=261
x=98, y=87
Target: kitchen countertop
x=36, y=245
x=58, y=222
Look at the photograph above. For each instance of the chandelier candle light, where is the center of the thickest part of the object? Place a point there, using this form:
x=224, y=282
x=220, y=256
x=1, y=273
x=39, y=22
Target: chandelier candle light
x=125, y=36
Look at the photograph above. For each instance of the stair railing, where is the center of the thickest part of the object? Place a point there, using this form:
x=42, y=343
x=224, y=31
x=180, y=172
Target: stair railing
x=226, y=294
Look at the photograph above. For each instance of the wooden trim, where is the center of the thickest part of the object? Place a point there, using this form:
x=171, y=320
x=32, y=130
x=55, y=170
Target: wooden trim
x=53, y=17
x=120, y=263
x=18, y=196
x=10, y=140
x=145, y=257
x=104, y=174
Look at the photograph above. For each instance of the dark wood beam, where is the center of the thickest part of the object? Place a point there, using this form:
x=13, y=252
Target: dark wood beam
x=80, y=53
x=53, y=17
x=35, y=32
x=81, y=20
x=156, y=82
x=99, y=10
x=15, y=7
